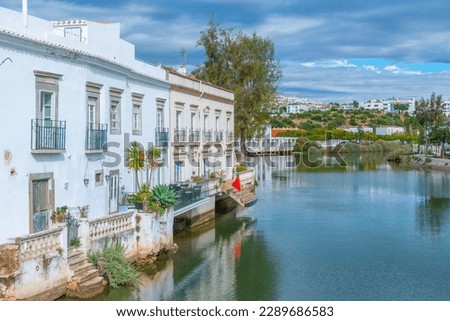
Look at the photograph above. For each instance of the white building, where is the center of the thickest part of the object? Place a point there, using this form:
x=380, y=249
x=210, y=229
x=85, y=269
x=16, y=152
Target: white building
x=374, y=104
x=74, y=97
x=389, y=130
x=201, y=135
x=73, y=86
x=388, y=105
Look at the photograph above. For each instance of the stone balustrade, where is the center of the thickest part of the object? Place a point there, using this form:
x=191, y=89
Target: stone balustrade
x=38, y=244
x=247, y=177
x=110, y=225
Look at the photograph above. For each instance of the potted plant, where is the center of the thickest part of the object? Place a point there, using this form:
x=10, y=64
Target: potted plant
x=59, y=215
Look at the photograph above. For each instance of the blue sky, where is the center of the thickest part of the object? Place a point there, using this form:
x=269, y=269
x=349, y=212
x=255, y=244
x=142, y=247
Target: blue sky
x=329, y=50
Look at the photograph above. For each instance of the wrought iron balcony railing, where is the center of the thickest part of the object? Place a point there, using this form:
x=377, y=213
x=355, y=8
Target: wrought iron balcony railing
x=96, y=136
x=179, y=135
x=207, y=135
x=48, y=134
x=194, y=135
x=162, y=137
x=218, y=136
x=229, y=136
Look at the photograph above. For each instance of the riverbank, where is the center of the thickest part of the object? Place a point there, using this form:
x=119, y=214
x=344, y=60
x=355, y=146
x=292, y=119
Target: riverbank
x=423, y=163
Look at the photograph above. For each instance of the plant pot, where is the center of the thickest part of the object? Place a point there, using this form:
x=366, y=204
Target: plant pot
x=138, y=205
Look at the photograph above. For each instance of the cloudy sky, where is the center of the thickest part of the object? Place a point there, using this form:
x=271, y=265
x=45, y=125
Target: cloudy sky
x=329, y=50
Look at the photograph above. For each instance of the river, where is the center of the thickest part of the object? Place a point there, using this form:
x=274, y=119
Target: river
x=369, y=230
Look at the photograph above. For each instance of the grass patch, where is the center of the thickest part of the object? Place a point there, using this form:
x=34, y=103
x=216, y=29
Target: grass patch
x=113, y=264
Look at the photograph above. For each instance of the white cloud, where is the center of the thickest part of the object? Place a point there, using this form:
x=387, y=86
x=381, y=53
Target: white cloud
x=280, y=25
x=334, y=63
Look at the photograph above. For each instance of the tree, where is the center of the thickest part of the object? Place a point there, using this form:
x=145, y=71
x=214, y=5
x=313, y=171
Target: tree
x=135, y=160
x=440, y=134
x=245, y=65
x=401, y=107
x=153, y=160
x=429, y=113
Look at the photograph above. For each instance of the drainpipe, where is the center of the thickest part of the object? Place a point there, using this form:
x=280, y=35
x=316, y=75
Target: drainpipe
x=25, y=12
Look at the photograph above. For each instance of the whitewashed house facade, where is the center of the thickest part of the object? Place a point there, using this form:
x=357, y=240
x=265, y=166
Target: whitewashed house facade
x=201, y=128
x=71, y=96
x=201, y=123
x=74, y=97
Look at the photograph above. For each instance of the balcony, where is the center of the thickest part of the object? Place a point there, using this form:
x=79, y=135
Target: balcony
x=194, y=136
x=207, y=135
x=48, y=136
x=162, y=137
x=218, y=136
x=96, y=135
x=229, y=136
x=179, y=136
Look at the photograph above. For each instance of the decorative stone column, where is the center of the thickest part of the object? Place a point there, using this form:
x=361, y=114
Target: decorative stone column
x=83, y=234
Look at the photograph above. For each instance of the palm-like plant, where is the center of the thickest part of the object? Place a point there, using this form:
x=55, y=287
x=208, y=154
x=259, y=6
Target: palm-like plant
x=135, y=160
x=164, y=195
x=153, y=158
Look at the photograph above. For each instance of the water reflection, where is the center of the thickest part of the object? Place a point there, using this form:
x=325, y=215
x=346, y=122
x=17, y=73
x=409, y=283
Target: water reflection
x=433, y=209
x=267, y=165
x=432, y=215
x=226, y=262
x=225, y=259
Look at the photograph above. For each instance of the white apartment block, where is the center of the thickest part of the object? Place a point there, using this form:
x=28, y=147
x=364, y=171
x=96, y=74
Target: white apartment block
x=388, y=105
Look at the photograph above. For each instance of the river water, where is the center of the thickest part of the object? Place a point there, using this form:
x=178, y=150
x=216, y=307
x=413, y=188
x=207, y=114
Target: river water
x=366, y=231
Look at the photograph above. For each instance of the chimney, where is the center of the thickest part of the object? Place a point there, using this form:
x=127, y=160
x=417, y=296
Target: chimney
x=25, y=12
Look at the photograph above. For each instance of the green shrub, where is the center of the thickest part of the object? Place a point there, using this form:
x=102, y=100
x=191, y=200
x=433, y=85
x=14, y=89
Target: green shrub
x=164, y=195
x=112, y=263
x=240, y=168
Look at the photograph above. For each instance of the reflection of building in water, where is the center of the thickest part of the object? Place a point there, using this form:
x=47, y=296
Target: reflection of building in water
x=214, y=276
x=210, y=265
x=157, y=287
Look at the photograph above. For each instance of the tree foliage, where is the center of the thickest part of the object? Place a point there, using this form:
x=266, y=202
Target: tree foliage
x=245, y=65
x=429, y=113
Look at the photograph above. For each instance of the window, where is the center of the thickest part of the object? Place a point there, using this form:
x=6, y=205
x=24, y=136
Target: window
x=178, y=120
x=178, y=166
x=205, y=122
x=47, y=88
x=92, y=110
x=159, y=118
x=47, y=109
x=192, y=121
x=73, y=33
x=160, y=102
x=115, y=111
x=137, y=114
x=93, y=102
x=228, y=124
x=99, y=178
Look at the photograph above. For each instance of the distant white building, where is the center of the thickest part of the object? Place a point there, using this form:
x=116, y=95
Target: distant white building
x=295, y=105
x=447, y=108
x=375, y=104
x=389, y=130
x=359, y=129
x=388, y=105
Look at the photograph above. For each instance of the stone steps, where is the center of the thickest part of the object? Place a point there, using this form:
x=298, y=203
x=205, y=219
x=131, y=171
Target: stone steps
x=86, y=281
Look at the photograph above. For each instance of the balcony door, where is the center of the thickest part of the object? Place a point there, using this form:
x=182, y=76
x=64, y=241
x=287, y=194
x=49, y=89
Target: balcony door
x=114, y=192
x=47, y=110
